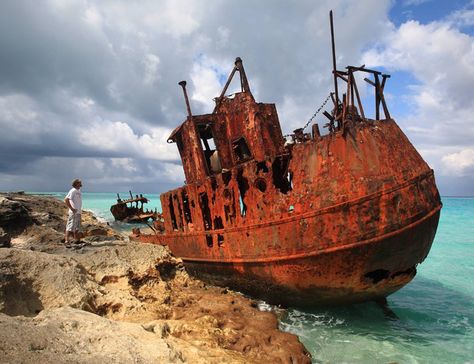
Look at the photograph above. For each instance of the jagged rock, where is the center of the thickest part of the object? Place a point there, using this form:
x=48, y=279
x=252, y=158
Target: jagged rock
x=14, y=216
x=152, y=311
x=67, y=335
x=32, y=281
x=5, y=239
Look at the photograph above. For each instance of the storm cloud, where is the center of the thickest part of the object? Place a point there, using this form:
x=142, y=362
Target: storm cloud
x=89, y=88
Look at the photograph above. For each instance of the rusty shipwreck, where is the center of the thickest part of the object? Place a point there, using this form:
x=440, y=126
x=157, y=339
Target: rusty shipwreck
x=339, y=218
x=132, y=210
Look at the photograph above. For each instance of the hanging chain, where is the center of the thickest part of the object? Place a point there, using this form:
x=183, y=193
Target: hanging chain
x=314, y=115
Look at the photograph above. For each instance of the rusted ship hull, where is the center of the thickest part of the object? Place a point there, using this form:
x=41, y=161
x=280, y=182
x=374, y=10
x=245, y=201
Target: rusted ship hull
x=334, y=237
x=340, y=218
x=316, y=273
x=346, y=274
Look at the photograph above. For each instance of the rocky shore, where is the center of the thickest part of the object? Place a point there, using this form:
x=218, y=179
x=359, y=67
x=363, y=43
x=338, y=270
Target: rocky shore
x=110, y=300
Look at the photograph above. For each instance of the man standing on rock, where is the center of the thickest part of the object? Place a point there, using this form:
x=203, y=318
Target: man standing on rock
x=73, y=201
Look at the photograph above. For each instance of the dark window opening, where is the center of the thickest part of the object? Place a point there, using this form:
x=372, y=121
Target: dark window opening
x=187, y=210
x=209, y=148
x=180, y=213
x=282, y=179
x=261, y=184
x=229, y=207
x=206, y=212
x=173, y=216
x=213, y=183
x=243, y=207
x=241, y=150
x=262, y=166
x=220, y=240
x=218, y=223
x=243, y=187
x=209, y=240
x=229, y=214
x=226, y=177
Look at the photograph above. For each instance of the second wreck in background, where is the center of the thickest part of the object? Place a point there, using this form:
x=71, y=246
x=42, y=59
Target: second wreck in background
x=344, y=217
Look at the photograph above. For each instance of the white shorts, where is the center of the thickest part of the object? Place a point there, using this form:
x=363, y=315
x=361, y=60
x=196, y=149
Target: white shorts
x=73, y=221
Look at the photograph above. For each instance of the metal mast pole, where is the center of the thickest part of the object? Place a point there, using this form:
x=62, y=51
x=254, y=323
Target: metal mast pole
x=334, y=71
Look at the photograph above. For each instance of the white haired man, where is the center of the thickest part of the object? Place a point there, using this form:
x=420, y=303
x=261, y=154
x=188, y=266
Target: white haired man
x=73, y=201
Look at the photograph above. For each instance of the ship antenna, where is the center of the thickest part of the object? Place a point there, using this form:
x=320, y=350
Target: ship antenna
x=188, y=106
x=334, y=70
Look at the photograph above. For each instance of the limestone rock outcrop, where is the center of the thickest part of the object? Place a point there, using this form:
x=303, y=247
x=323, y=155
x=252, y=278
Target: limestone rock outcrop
x=116, y=301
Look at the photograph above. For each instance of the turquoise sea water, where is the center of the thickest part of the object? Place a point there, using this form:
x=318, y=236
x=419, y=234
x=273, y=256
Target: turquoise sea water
x=100, y=203
x=435, y=312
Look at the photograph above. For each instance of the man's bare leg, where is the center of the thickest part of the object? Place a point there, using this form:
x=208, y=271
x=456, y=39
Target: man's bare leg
x=66, y=236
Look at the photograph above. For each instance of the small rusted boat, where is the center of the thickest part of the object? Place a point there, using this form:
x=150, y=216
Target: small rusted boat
x=132, y=210
x=339, y=218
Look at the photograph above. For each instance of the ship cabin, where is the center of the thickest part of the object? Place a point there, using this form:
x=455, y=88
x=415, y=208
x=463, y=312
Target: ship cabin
x=218, y=151
x=239, y=130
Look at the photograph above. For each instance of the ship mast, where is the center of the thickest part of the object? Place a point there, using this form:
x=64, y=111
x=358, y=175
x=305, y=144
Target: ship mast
x=334, y=70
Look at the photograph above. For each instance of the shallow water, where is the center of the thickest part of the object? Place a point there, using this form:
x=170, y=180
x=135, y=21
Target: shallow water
x=435, y=311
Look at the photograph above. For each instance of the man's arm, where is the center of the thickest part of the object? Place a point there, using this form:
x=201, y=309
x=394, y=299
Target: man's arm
x=68, y=204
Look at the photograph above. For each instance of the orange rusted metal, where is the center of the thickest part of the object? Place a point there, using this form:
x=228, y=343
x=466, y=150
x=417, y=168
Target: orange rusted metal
x=344, y=217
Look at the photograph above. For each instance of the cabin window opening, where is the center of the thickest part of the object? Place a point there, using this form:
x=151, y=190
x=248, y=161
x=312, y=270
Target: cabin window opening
x=243, y=207
x=241, y=150
x=229, y=214
x=213, y=183
x=243, y=188
x=173, y=216
x=218, y=223
x=282, y=178
x=261, y=184
x=206, y=212
x=180, y=213
x=226, y=177
x=187, y=211
x=229, y=207
x=220, y=240
x=209, y=241
x=209, y=148
x=262, y=166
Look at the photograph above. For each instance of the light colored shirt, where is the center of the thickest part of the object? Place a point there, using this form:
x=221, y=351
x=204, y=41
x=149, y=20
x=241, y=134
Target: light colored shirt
x=75, y=197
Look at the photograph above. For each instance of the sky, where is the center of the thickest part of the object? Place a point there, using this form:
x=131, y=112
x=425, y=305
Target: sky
x=89, y=89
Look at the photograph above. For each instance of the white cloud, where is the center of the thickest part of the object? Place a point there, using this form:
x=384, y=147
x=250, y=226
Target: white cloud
x=462, y=17
x=414, y=2
x=119, y=138
x=441, y=120
x=151, y=63
x=92, y=16
x=459, y=163
x=205, y=76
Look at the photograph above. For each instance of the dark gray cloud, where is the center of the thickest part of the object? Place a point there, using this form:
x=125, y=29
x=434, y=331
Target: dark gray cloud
x=90, y=88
